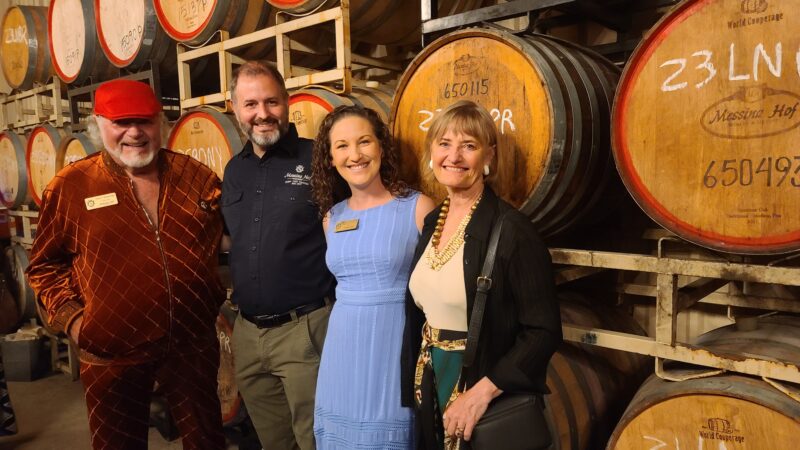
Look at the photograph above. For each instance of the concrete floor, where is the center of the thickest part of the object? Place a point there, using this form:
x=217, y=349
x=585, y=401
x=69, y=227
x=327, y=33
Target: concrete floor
x=51, y=415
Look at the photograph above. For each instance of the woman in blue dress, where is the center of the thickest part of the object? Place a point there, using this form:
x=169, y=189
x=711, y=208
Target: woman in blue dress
x=372, y=222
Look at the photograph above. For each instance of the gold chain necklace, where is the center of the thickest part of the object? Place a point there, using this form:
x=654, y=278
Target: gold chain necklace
x=437, y=259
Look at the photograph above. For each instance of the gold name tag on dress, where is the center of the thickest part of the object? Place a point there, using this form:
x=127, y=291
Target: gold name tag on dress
x=101, y=201
x=346, y=225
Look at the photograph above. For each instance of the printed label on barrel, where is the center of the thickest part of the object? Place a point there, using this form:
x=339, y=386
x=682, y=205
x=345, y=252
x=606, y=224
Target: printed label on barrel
x=707, y=123
x=708, y=422
x=14, y=48
x=68, y=36
x=122, y=24
x=501, y=79
x=200, y=136
x=752, y=113
x=9, y=170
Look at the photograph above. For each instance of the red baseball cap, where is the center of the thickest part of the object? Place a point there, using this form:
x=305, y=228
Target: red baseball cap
x=125, y=99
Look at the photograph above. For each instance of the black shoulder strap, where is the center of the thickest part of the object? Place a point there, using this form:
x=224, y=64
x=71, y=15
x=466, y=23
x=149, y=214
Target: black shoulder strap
x=484, y=284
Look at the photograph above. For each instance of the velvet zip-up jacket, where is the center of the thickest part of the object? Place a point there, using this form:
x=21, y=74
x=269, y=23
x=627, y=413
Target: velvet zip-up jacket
x=142, y=290
x=521, y=324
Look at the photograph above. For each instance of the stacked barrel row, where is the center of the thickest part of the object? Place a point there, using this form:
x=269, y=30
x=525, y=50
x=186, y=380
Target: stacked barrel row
x=756, y=117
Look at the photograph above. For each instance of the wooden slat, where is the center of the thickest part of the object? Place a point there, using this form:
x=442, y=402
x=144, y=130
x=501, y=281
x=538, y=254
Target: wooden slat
x=566, y=274
x=204, y=100
x=680, y=352
x=724, y=299
x=317, y=78
x=497, y=12
x=628, y=261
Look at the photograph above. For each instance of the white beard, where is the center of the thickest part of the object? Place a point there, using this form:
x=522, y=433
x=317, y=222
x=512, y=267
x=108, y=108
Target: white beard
x=135, y=160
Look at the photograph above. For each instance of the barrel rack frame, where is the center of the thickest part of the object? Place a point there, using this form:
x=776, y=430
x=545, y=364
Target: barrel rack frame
x=340, y=77
x=574, y=10
x=22, y=223
x=672, y=298
x=46, y=107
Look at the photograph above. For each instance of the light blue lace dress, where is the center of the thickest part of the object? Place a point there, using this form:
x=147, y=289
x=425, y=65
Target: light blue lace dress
x=358, y=389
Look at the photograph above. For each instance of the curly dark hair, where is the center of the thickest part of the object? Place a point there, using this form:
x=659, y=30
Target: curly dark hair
x=327, y=186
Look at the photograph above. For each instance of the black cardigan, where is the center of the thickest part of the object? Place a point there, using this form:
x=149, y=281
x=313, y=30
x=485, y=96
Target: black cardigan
x=521, y=325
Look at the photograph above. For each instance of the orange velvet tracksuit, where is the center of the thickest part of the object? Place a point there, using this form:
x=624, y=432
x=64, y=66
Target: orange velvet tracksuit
x=149, y=297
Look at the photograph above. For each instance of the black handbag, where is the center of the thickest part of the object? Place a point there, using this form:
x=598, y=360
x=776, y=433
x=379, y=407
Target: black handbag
x=513, y=421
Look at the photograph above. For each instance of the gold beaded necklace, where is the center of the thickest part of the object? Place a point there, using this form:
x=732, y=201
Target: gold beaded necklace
x=437, y=259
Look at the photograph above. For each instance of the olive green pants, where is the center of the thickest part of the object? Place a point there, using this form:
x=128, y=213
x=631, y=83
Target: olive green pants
x=276, y=373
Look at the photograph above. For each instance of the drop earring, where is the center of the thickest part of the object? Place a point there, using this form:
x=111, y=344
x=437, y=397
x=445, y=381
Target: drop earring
x=430, y=164
x=486, y=170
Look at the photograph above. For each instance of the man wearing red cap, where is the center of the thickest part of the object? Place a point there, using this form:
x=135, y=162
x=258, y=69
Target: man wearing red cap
x=124, y=262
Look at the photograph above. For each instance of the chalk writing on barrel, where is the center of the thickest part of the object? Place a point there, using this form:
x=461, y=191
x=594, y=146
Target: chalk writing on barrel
x=764, y=63
x=504, y=116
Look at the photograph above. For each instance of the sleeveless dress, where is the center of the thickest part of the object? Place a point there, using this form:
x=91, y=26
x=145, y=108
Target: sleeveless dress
x=358, y=387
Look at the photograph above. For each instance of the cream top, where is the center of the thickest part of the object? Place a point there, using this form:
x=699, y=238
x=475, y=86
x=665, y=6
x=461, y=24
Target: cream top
x=441, y=294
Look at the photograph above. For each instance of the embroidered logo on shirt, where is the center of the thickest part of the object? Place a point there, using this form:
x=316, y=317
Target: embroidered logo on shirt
x=101, y=201
x=299, y=168
x=296, y=179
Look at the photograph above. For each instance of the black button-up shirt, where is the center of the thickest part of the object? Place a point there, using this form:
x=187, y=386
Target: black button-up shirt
x=277, y=256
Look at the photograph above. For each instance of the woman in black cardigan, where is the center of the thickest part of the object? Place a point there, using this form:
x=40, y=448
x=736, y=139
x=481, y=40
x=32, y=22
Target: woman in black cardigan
x=521, y=327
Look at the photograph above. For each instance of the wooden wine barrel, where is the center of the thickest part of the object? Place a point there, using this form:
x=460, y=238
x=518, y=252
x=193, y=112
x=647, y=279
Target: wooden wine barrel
x=75, y=51
x=551, y=103
x=40, y=158
x=392, y=22
x=705, y=125
x=197, y=24
x=24, y=50
x=17, y=259
x=308, y=107
x=207, y=135
x=233, y=411
x=590, y=386
x=13, y=176
x=727, y=411
x=72, y=148
x=130, y=35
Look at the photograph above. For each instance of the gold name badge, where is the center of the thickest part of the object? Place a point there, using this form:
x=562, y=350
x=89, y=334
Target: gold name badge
x=101, y=201
x=346, y=225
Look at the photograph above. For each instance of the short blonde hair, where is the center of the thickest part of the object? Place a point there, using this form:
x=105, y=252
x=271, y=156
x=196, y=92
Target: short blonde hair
x=465, y=117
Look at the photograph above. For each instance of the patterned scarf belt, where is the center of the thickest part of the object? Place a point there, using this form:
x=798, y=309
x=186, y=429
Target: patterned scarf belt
x=425, y=384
